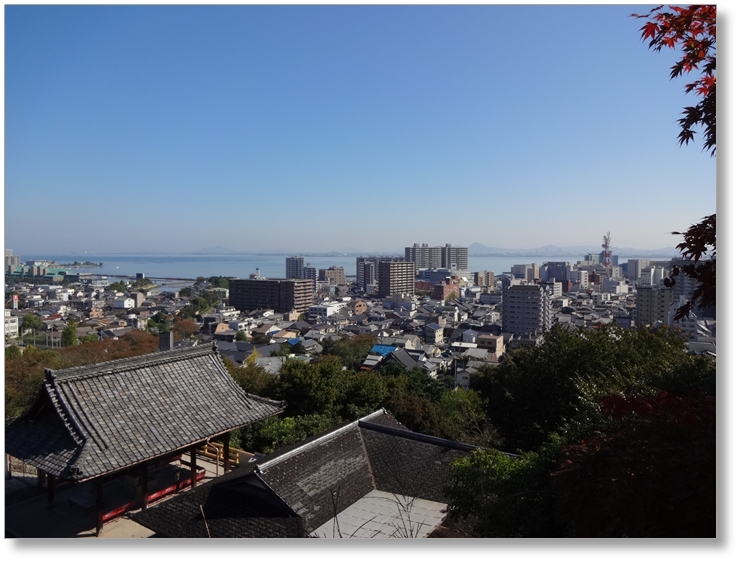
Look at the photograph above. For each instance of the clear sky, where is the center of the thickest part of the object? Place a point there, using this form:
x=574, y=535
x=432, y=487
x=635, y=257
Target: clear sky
x=313, y=128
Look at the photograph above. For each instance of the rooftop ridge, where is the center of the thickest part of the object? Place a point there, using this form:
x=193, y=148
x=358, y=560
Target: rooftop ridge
x=76, y=432
x=408, y=434
x=126, y=363
x=315, y=442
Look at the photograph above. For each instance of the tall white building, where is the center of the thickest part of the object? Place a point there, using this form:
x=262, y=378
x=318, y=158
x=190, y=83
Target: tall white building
x=526, y=271
x=579, y=277
x=526, y=310
x=635, y=267
x=653, y=304
x=653, y=275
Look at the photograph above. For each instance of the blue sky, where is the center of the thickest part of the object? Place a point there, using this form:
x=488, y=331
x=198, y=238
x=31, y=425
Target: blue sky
x=313, y=128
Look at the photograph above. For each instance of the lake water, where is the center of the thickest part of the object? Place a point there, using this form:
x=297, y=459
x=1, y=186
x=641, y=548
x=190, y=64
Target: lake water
x=241, y=265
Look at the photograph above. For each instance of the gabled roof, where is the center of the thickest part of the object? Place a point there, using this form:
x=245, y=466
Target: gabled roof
x=93, y=420
x=402, y=357
x=232, y=508
x=319, y=478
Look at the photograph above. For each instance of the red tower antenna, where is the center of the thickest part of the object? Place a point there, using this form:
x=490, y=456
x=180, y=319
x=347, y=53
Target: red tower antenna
x=607, y=250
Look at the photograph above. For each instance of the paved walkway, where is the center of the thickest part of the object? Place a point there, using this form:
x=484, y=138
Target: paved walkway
x=29, y=515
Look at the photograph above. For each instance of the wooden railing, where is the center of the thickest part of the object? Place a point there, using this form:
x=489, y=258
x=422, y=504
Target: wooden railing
x=235, y=455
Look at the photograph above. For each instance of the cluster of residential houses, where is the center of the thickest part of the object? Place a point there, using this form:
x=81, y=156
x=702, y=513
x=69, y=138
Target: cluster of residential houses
x=475, y=319
x=471, y=322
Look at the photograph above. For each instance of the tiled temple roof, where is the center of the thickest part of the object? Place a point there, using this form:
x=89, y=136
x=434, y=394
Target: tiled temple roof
x=100, y=418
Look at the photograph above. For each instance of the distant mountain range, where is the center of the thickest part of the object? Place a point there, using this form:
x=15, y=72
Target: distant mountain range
x=478, y=249
x=475, y=249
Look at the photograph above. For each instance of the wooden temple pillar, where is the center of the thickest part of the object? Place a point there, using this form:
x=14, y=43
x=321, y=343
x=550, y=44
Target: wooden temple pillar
x=144, y=487
x=192, y=467
x=50, y=481
x=98, y=506
x=227, y=461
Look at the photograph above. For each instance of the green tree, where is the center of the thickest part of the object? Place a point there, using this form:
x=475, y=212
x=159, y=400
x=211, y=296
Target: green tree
x=69, y=334
x=24, y=376
x=274, y=433
x=282, y=351
x=252, y=378
x=32, y=322
x=260, y=339
x=352, y=352
x=465, y=414
x=119, y=286
x=241, y=335
x=536, y=390
x=212, y=298
x=364, y=393
x=11, y=352
x=505, y=496
x=653, y=476
x=311, y=388
x=217, y=281
x=199, y=304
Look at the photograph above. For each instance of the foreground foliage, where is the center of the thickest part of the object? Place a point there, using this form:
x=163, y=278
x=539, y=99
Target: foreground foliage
x=615, y=435
x=693, y=30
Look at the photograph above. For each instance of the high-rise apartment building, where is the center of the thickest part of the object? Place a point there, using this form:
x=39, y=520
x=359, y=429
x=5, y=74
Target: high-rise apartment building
x=635, y=267
x=454, y=258
x=310, y=272
x=526, y=271
x=396, y=278
x=555, y=271
x=484, y=278
x=526, y=309
x=423, y=256
x=294, y=267
x=366, y=274
x=652, y=275
x=579, y=276
x=281, y=295
x=653, y=304
x=333, y=275
x=369, y=275
x=10, y=259
x=434, y=257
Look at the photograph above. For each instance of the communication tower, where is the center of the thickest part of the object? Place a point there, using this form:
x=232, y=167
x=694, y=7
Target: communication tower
x=607, y=245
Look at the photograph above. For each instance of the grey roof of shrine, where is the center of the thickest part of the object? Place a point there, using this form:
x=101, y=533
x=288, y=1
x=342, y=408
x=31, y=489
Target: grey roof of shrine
x=232, y=508
x=97, y=419
x=317, y=479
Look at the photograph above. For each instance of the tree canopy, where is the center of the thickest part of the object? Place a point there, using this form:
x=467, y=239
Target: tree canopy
x=693, y=30
x=69, y=334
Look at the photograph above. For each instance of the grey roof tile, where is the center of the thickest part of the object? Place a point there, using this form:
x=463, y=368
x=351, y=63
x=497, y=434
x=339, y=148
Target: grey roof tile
x=99, y=418
x=314, y=480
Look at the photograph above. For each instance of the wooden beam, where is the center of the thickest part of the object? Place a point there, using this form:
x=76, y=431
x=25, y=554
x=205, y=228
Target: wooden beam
x=226, y=452
x=144, y=487
x=192, y=467
x=50, y=488
x=98, y=506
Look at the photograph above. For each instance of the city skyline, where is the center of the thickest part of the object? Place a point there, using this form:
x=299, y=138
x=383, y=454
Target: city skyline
x=319, y=128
